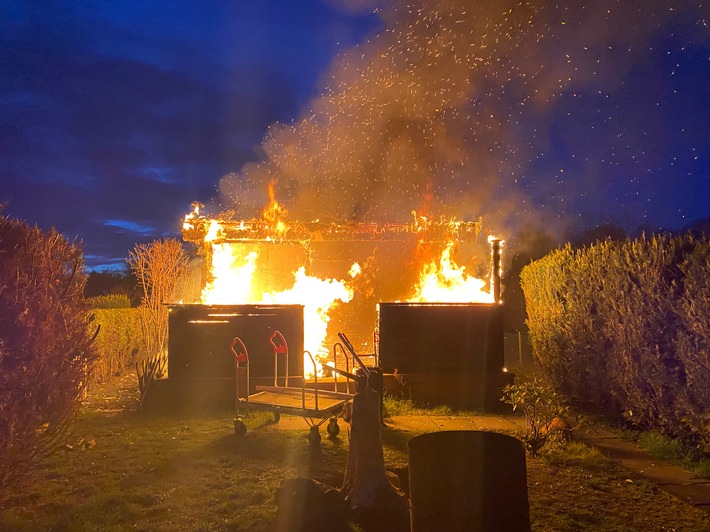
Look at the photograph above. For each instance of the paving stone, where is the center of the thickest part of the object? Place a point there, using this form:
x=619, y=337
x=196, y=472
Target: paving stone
x=697, y=494
x=671, y=478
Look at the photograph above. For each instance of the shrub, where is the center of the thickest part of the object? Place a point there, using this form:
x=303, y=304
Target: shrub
x=564, y=320
x=624, y=327
x=119, y=342
x=692, y=346
x=543, y=408
x=45, y=345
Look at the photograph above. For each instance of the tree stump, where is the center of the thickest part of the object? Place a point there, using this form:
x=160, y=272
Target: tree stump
x=366, y=485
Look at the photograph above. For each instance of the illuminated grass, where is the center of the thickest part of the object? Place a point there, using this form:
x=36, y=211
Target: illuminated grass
x=127, y=471
x=405, y=407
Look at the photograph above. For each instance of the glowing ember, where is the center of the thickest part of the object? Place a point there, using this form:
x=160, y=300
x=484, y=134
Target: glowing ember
x=444, y=281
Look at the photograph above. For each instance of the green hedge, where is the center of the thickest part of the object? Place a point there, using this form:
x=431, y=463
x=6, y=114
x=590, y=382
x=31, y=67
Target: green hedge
x=623, y=327
x=119, y=342
x=110, y=301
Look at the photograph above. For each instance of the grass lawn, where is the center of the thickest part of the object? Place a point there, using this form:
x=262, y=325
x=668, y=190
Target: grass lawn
x=122, y=470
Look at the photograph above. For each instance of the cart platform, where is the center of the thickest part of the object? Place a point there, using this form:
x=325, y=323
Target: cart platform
x=314, y=405
x=297, y=401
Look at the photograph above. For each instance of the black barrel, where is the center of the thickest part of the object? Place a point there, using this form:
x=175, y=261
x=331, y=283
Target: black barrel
x=468, y=480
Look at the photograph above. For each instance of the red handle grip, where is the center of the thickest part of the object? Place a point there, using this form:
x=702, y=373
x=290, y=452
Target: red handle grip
x=242, y=355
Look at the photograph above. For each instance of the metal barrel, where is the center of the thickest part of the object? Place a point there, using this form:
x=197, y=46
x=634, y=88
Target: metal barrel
x=468, y=480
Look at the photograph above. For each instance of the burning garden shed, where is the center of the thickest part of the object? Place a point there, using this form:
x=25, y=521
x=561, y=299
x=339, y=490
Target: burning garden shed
x=353, y=278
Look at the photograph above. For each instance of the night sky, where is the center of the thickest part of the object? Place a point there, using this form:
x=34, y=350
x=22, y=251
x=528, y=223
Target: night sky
x=115, y=116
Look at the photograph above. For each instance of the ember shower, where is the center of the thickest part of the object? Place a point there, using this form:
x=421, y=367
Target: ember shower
x=447, y=109
x=439, y=115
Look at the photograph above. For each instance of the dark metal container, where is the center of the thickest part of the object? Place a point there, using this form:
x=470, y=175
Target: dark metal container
x=444, y=353
x=199, y=338
x=451, y=338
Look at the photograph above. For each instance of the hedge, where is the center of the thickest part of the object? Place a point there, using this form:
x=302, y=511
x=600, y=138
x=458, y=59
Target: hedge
x=110, y=301
x=45, y=345
x=119, y=342
x=623, y=328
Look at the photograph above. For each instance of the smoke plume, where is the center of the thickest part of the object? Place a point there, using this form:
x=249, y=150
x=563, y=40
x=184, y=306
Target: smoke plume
x=447, y=109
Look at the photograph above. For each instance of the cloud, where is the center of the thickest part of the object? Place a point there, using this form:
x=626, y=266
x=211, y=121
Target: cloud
x=86, y=137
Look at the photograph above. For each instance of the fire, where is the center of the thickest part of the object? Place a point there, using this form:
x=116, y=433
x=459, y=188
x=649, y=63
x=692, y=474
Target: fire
x=232, y=277
x=317, y=296
x=232, y=252
x=233, y=283
x=214, y=232
x=192, y=215
x=444, y=281
x=274, y=213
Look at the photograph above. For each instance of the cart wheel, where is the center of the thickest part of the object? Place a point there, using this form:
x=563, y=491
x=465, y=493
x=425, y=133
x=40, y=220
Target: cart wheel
x=314, y=436
x=240, y=427
x=277, y=417
x=333, y=428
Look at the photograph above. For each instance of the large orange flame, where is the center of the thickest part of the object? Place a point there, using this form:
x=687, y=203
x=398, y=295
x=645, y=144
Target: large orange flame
x=444, y=281
x=233, y=283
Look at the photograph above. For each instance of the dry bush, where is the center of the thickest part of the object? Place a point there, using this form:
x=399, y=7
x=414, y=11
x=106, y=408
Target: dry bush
x=162, y=269
x=45, y=345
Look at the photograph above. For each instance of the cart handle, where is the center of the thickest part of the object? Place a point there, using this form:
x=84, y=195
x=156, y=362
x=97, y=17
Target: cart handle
x=242, y=355
x=281, y=346
x=353, y=353
x=278, y=342
x=335, y=364
x=315, y=381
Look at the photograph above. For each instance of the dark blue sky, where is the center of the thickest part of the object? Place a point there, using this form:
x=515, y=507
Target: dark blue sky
x=115, y=116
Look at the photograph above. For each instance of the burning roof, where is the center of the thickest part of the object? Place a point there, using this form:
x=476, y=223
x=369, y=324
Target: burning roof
x=200, y=229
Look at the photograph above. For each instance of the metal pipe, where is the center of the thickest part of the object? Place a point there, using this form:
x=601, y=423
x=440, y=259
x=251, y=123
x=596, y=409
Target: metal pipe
x=496, y=246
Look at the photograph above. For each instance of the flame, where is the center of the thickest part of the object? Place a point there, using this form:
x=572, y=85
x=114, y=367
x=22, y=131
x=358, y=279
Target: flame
x=444, y=281
x=317, y=296
x=192, y=215
x=274, y=213
x=231, y=277
x=233, y=284
x=354, y=270
x=214, y=232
